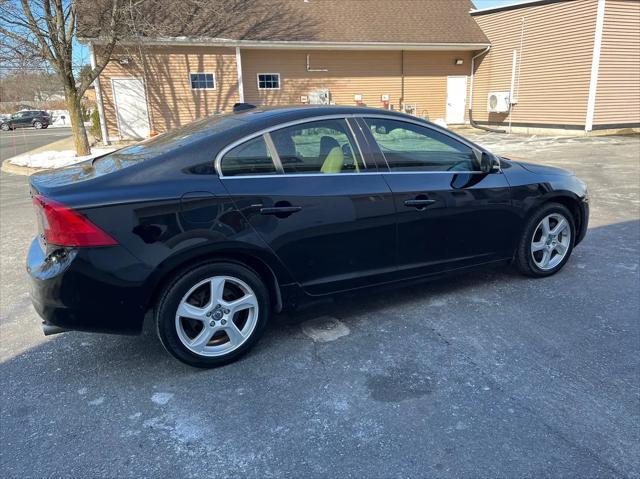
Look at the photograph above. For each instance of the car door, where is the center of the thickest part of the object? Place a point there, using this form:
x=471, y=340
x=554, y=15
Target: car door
x=26, y=119
x=449, y=213
x=16, y=120
x=317, y=201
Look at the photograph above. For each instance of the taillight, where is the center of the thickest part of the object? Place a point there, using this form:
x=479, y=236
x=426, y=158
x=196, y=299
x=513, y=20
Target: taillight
x=63, y=226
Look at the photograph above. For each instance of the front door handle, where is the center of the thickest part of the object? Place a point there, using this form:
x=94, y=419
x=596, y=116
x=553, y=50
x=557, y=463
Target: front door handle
x=418, y=203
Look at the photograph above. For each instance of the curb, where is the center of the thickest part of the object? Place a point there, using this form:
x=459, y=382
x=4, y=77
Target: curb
x=19, y=170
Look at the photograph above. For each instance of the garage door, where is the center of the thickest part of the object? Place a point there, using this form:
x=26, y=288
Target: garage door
x=131, y=107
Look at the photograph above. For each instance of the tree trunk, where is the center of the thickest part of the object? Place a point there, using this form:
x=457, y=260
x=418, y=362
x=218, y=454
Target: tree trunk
x=78, y=131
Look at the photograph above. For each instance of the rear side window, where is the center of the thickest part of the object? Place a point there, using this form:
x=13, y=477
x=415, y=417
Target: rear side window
x=249, y=158
x=318, y=147
x=410, y=147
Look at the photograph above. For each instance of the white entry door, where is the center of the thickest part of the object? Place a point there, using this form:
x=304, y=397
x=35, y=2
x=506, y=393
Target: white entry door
x=131, y=107
x=456, y=98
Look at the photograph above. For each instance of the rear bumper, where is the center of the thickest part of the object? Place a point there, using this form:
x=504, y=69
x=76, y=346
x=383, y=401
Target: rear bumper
x=89, y=289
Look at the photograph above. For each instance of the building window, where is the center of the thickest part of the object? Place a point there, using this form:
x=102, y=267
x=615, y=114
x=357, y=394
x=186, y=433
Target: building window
x=268, y=81
x=202, y=81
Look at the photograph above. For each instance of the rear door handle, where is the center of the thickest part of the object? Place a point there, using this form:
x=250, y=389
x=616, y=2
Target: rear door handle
x=280, y=211
x=418, y=203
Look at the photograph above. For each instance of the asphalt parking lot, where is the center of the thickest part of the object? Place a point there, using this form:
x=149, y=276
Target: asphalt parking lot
x=486, y=375
x=16, y=142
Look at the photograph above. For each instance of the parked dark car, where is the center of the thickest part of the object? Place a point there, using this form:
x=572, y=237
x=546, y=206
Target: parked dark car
x=219, y=224
x=26, y=119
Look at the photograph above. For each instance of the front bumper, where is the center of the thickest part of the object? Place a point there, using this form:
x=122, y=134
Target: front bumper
x=87, y=289
x=584, y=220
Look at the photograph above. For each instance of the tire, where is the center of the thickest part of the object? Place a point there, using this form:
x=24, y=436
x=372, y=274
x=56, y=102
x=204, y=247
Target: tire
x=208, y=337
x=44, y=127
x=5, y=127
x=535, y=244
x=37, y=125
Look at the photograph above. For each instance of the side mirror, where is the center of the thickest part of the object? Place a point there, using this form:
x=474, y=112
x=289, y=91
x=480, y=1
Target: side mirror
x=488, y=162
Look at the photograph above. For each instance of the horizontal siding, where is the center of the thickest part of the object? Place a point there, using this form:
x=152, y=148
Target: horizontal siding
x=171, y=100
x=367, y=73
x=370, y=74
x=555, y=62
x=618, y=92
x=426, y=79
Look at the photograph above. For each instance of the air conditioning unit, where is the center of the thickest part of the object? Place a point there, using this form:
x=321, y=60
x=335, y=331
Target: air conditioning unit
x=498, y=102
x=320, y=97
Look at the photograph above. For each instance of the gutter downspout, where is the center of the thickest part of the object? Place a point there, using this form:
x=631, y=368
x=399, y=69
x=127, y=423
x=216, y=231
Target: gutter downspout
x=239, y=71
x=471, y=121
x=99, y=104
x=595, y=66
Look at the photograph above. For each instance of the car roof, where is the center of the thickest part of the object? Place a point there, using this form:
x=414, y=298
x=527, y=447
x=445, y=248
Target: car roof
x=281, y=114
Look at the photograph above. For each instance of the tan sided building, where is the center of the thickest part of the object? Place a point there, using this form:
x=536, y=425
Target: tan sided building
x=576, y=64
x=402, y=54
x=562, y=65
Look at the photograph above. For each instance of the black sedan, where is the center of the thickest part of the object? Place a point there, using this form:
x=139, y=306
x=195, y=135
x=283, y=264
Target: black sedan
x=26, y=119
x=217, y=225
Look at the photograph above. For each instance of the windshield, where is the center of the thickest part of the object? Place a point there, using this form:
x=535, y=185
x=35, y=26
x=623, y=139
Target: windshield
x=165, y=142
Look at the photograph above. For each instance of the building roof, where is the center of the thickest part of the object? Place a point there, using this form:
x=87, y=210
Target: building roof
x=417, y=22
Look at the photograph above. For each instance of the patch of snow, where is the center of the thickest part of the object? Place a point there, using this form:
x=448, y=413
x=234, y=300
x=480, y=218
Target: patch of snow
x=55, y=159
x=325, y=329
x=97, y=402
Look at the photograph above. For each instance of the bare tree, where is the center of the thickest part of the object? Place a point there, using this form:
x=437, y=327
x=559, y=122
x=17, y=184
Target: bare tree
x=33, y=30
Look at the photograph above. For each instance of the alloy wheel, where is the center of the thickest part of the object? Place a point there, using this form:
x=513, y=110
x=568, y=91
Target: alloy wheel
x=551, y=241
x=4, y=127
x=217, y=316
x=37, y=125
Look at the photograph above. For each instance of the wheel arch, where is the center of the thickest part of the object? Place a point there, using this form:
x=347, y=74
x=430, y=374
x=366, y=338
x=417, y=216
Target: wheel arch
x=168, y=271
x=569, y=201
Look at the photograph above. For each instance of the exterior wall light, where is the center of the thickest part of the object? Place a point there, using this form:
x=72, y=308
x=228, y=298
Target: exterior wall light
x=459, y=61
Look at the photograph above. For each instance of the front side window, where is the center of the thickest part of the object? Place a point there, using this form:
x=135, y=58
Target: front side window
x=324, y=146
x=202, y=81
x=250, y=158
x=268, y=81
x=410, y=147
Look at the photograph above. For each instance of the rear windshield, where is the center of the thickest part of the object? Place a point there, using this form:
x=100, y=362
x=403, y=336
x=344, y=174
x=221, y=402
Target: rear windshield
x=164, y=143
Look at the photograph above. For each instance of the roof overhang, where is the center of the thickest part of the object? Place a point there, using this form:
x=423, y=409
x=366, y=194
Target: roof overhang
x=513, y=6
x=286, y=45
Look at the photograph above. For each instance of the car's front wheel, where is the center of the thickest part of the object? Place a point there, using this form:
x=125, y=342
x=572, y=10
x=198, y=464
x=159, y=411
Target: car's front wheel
x=212, y=314
x=5, y=127
x=547, y=241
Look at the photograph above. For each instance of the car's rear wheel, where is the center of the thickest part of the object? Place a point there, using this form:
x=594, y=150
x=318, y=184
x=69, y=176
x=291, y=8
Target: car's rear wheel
x=5, y=127
x=547, y=241
x=212, y=314
x=37, y=125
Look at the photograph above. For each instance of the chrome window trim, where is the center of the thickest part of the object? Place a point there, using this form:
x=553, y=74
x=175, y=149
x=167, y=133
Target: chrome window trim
x=322, y=175
x=300, y=175
x=275, y=157
x=251, y=136
x=355, y=140
x=218, y=160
